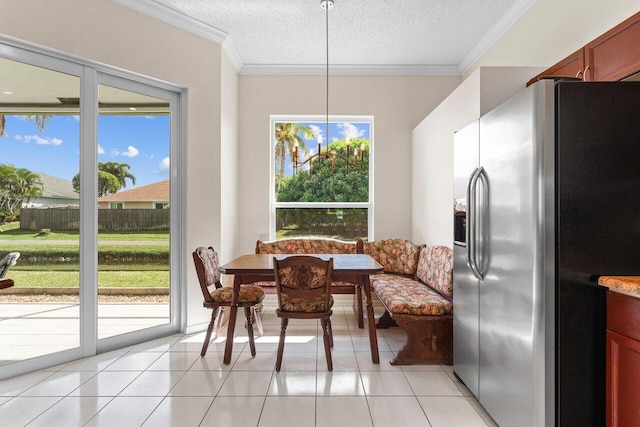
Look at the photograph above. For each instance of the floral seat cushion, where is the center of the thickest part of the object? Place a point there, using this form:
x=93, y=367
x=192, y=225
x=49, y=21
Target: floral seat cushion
x=273, y=284
x=435, y=268
x=395, y=255
x=402, y=295
x=249, y=294
x=305, y=305
x=305, y=246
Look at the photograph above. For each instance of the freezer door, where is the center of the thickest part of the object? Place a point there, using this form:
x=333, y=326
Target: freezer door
x=465, y=284
x=511, y=295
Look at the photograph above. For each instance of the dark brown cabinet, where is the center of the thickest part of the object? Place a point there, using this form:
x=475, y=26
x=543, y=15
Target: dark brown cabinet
x=623, y=360
x=612, y=56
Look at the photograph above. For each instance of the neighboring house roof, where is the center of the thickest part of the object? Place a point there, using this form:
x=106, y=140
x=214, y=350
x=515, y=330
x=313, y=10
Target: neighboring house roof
x=57, y=188
x=156, y=192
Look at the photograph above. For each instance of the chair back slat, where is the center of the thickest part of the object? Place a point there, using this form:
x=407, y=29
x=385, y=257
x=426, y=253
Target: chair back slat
x=303, y=278
x=206, y=261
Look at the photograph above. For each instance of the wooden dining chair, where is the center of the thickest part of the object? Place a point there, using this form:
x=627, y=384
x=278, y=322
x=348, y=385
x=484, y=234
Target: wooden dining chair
x=217, y=297
x=303, y=286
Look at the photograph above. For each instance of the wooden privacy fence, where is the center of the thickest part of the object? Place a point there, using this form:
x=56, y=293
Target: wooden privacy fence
x=108, y=219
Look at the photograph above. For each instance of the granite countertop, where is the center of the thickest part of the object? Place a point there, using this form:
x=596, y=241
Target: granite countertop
x=627, y=285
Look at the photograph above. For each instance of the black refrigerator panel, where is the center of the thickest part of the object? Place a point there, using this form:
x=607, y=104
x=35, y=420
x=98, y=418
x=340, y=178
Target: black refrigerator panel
x=598, y=230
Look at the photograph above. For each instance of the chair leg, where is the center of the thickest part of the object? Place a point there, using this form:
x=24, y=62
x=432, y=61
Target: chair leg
x=257, y=314
x=330, y=332
x=359, y=310
x=220, y=322
x=252, y=344
x=283, y=329
x=207, y=337
x=327, y=343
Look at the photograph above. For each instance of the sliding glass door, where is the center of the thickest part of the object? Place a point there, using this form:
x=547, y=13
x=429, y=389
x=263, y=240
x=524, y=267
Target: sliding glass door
x=39, y=209
x=88, y=218
x=134, y=207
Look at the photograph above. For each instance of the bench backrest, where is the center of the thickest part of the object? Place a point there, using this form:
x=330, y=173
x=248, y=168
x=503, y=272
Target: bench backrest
x=397, y=256
x=305, y=246
x=435, y=269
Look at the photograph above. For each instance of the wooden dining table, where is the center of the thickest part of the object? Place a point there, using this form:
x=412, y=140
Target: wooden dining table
x=354, y=268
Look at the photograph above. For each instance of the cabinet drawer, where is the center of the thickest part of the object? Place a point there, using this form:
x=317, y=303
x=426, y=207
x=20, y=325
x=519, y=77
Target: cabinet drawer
x=623, y=314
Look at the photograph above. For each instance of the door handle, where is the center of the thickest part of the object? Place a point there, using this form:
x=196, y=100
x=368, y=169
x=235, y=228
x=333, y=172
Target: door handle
x=471, y=222
x=481, y=237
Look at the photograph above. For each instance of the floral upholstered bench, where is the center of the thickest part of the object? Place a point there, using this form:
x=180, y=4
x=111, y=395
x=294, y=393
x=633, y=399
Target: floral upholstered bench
x=305, y=246
x=422, y=307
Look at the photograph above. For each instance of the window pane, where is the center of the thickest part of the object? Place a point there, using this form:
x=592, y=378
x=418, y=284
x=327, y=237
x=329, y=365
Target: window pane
x=307, y=169
x=133, y=235
x=39, y=211
x=343, y=224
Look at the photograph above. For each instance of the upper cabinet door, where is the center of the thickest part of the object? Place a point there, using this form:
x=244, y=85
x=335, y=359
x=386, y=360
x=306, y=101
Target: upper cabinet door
x=571, y=66
x=616, y=54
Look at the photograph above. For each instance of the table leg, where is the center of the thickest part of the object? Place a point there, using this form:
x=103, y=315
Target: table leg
x=373, y=337
x=233, y=314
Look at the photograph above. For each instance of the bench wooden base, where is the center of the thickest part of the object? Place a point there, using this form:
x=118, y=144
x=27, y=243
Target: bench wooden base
x=429, y=340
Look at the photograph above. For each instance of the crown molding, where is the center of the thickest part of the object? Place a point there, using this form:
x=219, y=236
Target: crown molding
x=352, y=70
x=187, y=23
x=233, y=54
x=507, y=20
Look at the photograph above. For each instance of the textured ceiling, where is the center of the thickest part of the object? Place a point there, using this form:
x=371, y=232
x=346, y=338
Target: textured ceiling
x=362, y=33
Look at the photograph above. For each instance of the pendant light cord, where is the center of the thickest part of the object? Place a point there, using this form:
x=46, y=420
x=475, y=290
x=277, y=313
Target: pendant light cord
x=327, y=84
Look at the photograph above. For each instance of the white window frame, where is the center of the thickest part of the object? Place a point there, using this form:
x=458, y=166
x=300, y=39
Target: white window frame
x=296, y=118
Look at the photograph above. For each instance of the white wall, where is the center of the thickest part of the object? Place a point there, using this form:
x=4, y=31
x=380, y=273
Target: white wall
x=397, y=104
x=551, y=30
x=110, y=33
x=229, y=161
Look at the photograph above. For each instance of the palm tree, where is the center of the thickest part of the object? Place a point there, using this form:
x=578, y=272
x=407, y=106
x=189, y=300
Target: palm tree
x=287, y=134
x=39, y=119
x=17, y=185
x=119, y=170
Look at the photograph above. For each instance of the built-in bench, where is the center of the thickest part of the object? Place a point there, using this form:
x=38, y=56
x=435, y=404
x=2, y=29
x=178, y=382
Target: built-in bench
x=420, y=304
x=315, y=246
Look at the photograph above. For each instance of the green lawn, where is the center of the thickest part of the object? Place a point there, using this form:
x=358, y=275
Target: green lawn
x=106, y=279
x=54, y=265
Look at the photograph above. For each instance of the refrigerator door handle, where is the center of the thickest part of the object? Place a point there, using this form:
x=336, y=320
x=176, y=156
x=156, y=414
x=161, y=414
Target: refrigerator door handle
x=471, y=222
x=482, y=236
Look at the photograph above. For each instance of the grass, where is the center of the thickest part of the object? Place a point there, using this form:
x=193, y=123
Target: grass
x=56, y=265
x=106, y=279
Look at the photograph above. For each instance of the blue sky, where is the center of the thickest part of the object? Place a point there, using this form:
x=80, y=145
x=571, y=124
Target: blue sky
x=337, y=131
x=140, y=141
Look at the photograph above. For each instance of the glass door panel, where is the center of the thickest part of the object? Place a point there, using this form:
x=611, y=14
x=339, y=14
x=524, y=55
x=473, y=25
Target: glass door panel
x=39, y=212
x=134, y=215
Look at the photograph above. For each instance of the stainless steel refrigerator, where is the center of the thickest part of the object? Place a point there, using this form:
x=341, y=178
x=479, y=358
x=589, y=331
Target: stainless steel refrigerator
x=546, y=200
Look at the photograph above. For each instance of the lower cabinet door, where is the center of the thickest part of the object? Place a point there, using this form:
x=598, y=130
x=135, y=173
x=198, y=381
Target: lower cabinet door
x=623, y=380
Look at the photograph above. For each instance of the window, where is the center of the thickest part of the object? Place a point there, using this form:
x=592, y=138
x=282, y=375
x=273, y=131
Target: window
x=161, y=206
x=327, y=194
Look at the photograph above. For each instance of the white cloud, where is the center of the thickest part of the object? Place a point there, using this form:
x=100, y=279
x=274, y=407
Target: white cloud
x=131, y=152
x=164, y=166
x=100, y=149
x=317, y=132
x=76, y=118
x=39, y=140
x=349, y=130
x=149, y=117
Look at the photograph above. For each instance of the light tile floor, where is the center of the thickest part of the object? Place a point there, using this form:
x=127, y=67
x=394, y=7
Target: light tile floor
x=166, y=383
x=37, y=329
